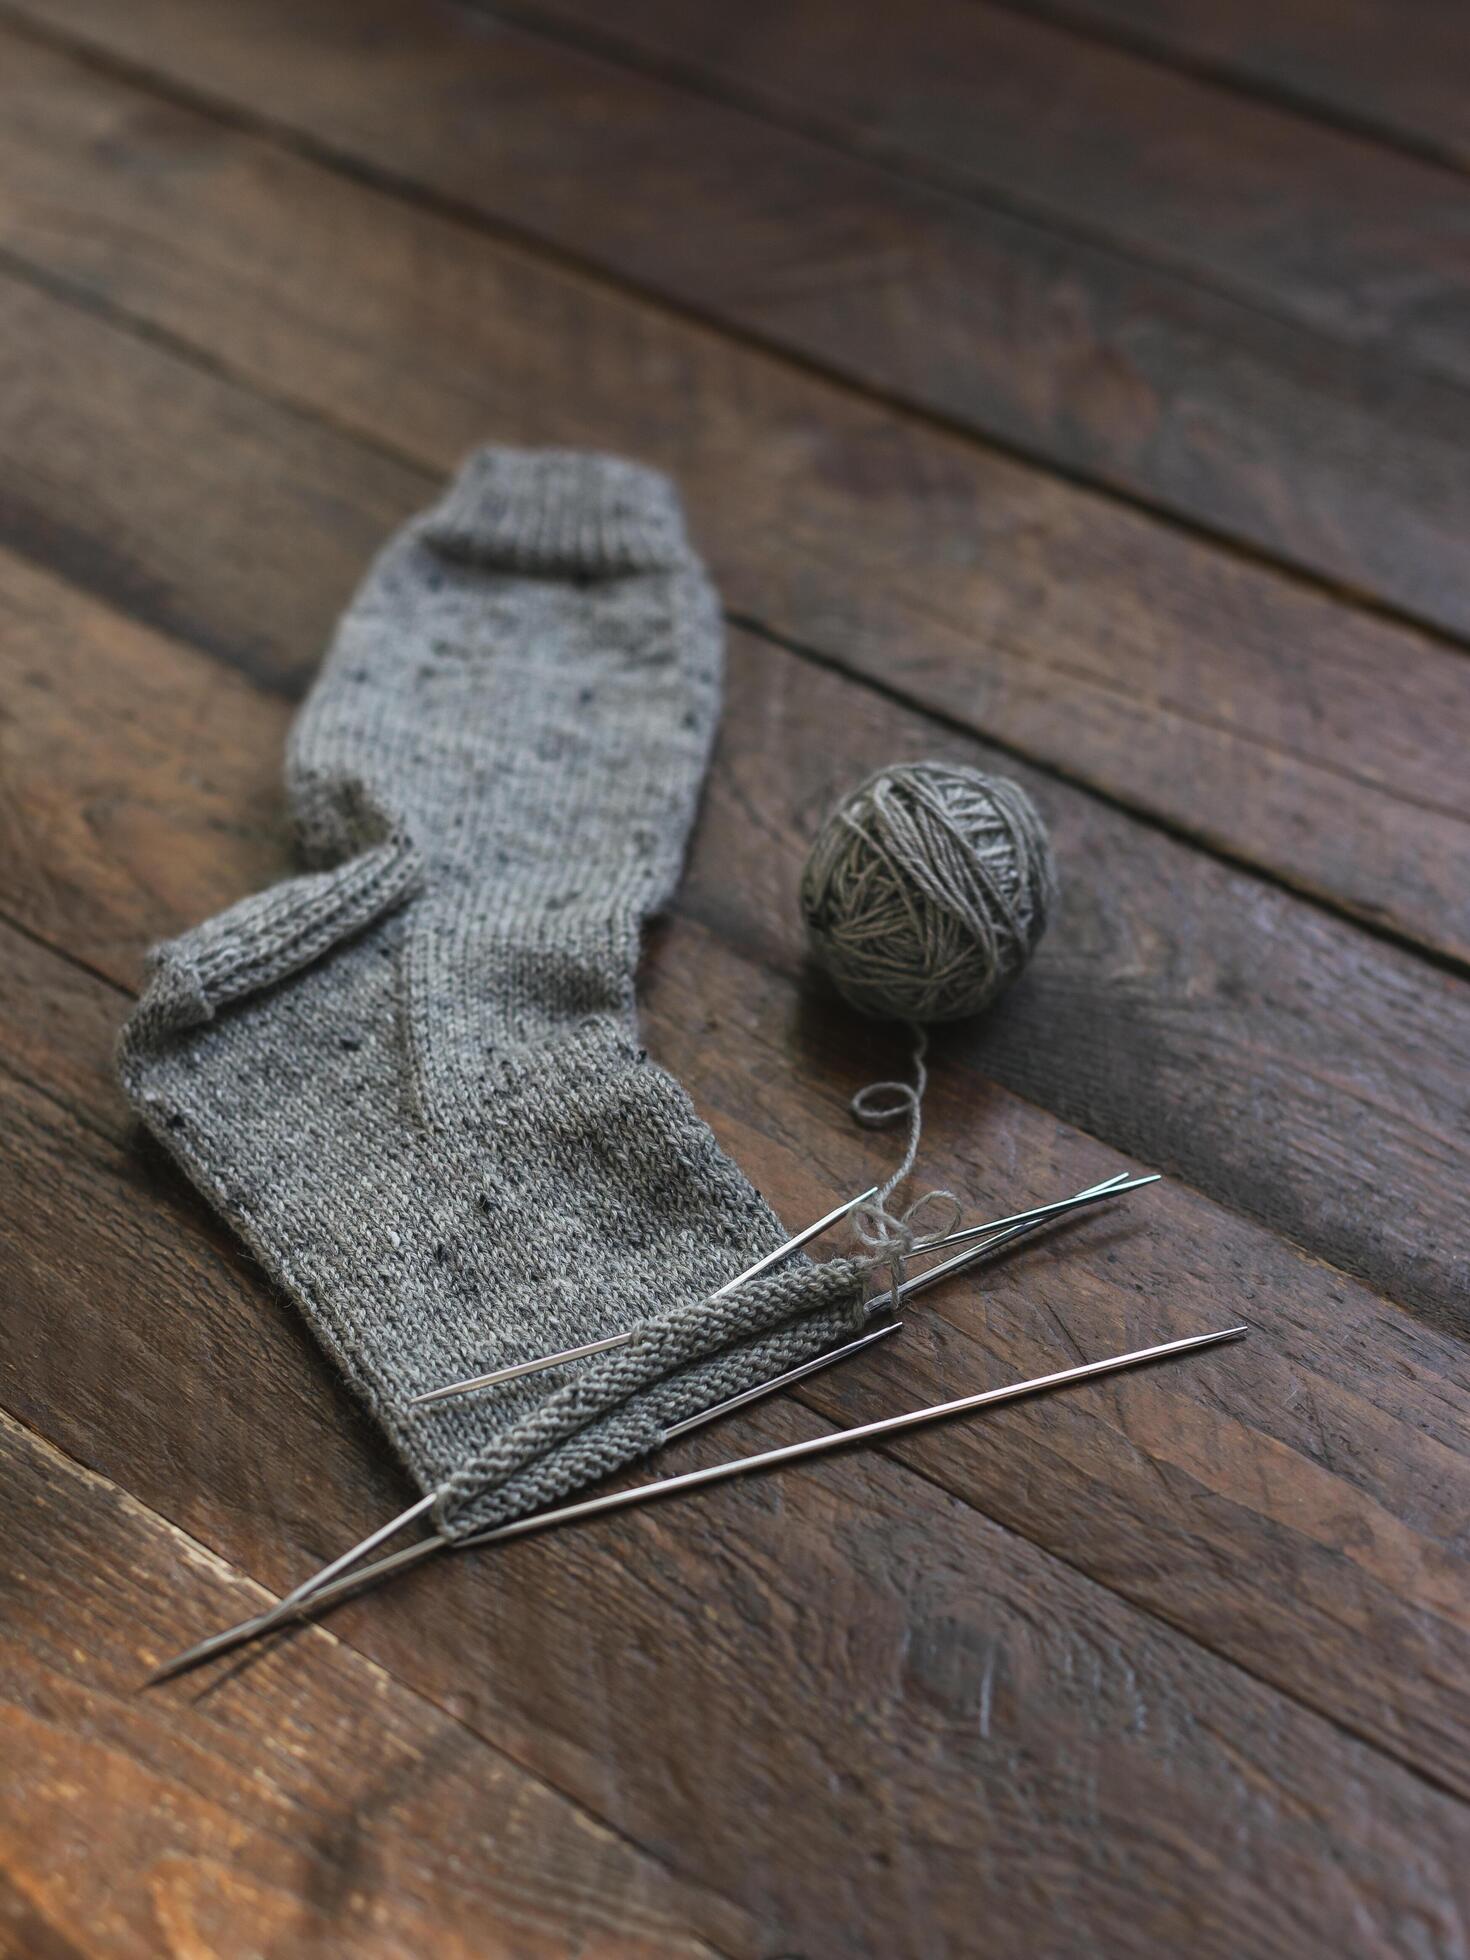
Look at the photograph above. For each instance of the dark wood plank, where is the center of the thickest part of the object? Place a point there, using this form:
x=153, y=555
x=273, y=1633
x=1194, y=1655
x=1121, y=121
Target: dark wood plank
x=1262, y=1050
x=966, y=1690
x=1302, y=219
x=1275, y=1057
x=325, y=1809
x=844, y=1676
x=1395, y=72
x=1289, y=731
x=1329, y=1490
x=1267, y=429
x=103, y=473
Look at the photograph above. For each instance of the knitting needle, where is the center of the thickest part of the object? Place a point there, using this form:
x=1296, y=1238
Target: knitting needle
x=1026, y=1222
x=734, y=1467
x=520, y=1368
x=369, y=1544
x=284, y=1608
x=916, y=1283
x=1115, y=1186
x=777, y=1382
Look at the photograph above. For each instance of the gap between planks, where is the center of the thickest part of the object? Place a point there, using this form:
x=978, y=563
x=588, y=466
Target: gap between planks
x=667, y=66
x=191, y=1551
x=191, y=354
x=462, y=210
x=953, y=1492
x=605, y=43
x=1239, y=79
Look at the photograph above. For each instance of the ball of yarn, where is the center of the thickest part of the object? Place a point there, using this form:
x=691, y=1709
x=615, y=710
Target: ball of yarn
x=927, y=890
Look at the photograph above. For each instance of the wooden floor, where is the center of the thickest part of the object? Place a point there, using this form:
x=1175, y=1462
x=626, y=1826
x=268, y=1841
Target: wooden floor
x=1076, y=387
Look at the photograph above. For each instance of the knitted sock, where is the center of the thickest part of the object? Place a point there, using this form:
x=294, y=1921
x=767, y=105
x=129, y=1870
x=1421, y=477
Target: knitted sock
x=411, y=1077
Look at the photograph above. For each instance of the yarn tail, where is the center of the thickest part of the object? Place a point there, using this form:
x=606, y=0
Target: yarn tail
x=891, y=1236
x=903, y=1099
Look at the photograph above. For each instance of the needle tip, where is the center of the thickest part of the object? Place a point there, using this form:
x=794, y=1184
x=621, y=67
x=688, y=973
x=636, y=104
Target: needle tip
x=180, y=1664
x=219, y=1643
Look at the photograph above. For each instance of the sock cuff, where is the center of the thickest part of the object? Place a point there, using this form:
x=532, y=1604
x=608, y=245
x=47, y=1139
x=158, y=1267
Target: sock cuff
x=559, y=510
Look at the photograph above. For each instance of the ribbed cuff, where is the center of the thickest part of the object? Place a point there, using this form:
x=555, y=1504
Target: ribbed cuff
x=559, y=510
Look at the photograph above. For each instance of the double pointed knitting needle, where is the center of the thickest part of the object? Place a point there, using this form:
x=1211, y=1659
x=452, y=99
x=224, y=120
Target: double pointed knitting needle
x=1114, y=1187
x=519, y=1368
x=296, y=1603
x=1001, y=1232
x=1027, y=1222
x=741, y=1466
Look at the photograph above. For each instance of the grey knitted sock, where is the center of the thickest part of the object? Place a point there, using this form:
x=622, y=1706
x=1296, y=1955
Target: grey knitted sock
x=411, y=1077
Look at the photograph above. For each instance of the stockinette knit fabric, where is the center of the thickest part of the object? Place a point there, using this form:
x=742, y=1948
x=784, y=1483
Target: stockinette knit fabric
x=410, y=1077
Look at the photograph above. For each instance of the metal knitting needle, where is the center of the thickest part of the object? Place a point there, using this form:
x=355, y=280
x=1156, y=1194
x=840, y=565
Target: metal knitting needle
x=742, y=1466
x=916, y=1283
x=294, y=1603
x=291, y=1605
x=360, y=1551
x=972, y=1254
x=762, y=1389
x=879, y=1303
x=1115, y=1185
x=520, y=1368
x=1114, y=1188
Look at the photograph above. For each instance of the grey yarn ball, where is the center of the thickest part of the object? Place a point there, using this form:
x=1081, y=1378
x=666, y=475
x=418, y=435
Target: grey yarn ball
x=927, y=890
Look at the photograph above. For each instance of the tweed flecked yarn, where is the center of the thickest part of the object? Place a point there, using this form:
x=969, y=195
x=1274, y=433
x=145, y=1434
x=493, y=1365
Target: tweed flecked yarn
x=411, y=1078
x=927, y=890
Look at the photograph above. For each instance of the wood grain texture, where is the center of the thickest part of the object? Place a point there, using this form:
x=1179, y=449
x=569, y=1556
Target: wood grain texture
x=846, y=1699
x=1275, y=1057
x=1289, y=731
x=1257, y=426
x=1394, y=73
x=1174, y=1662
x=1355, y=1417
x=327, y=1810
x=1309, y=222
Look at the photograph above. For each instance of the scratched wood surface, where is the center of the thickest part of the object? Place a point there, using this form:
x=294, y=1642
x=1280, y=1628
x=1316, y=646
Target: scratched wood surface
x=1076, y=390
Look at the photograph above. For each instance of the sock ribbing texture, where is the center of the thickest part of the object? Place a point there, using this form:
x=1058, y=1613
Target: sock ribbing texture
x=411, y=1077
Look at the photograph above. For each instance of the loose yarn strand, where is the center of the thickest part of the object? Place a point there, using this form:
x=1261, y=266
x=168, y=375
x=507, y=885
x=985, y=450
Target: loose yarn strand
x=893, y=1237
x=924, y=895
x=908, y=1100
